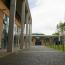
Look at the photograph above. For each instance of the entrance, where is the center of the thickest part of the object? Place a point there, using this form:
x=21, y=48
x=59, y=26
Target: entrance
x=38, y=42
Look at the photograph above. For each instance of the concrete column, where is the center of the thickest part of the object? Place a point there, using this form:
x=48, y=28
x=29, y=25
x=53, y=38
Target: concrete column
x=30, y=33
x=22, y=24
x=11, y=25
x=26, y=44
x=50, y=41
x=42, y=42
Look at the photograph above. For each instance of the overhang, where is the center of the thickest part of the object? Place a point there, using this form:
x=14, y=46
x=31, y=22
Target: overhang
x=18, y=7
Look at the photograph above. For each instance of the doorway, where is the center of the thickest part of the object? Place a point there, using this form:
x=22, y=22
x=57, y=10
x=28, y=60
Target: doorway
x=38, y=42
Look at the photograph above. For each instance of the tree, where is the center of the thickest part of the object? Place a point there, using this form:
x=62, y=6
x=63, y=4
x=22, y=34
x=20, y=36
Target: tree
x=61, y=27
x=56, y=33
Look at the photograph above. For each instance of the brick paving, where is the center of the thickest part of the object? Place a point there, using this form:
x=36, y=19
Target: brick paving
x=3, y=52
x=37, y=55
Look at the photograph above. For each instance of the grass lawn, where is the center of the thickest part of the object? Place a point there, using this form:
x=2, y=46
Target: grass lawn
x=58, y=47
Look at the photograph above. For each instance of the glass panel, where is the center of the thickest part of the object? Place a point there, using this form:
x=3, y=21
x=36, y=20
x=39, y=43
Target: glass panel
x=5, y=31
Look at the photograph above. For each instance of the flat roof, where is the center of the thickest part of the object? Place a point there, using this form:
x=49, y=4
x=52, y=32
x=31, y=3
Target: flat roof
x=45, y=35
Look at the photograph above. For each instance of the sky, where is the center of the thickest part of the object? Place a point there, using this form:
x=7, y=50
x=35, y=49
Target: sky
x=46, y=14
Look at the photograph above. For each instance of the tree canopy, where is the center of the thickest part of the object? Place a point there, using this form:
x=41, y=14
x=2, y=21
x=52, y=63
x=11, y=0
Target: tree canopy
x=56, y=33
x=61, y=27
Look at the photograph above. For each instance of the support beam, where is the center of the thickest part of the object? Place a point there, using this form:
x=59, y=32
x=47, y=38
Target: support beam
x=11, y=25
x=22, y=24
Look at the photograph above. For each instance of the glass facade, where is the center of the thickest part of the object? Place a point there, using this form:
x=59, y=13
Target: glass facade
x=5, y=31
x=17, y=31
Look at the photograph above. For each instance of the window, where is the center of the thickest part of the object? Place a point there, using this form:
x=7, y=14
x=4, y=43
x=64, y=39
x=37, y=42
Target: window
x=5, y=31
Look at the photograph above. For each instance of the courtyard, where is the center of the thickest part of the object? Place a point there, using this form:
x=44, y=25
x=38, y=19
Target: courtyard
x=36, y=55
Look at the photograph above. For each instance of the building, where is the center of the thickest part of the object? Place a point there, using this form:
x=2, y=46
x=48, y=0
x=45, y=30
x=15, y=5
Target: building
x=14, y=17
x=45, y=39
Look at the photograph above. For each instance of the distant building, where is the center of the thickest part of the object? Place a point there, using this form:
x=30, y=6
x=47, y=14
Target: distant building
x=38, y=39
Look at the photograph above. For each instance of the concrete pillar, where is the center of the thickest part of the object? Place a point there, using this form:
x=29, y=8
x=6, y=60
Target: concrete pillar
x=11, y=25
x=26, y=44
x=50, y=41
x=22, y=24
x=30, y=33
x=42, y=43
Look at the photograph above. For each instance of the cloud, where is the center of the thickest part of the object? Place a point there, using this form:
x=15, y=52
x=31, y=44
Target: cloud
x=33, y=3
x=46, y=14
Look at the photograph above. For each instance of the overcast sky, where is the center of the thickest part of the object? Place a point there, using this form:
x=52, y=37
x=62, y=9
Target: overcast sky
x=46, y=14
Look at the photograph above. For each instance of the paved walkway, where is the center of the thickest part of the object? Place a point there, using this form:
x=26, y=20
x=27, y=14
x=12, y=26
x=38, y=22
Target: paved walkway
x=34, y=56
x=3, y=52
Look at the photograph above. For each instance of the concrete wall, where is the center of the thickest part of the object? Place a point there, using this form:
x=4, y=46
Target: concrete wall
x=1, y=29
x=33, y=41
